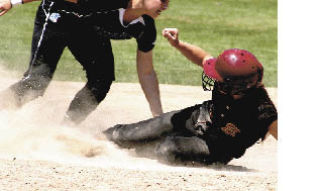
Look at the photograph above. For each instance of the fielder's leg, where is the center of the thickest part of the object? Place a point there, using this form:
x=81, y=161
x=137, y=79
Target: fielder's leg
x=94, y=52
x=47, y=45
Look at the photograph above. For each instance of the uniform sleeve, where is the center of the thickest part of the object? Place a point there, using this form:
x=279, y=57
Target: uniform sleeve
x=142, y=29
x=146, y=41
x=267, y=113
x=103, y=4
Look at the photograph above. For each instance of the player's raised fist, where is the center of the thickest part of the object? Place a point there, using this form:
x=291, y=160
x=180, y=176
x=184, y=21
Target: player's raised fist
x=172, y=35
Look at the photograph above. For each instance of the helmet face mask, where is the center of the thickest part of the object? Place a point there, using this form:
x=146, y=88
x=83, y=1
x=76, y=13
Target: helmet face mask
x=207, y=82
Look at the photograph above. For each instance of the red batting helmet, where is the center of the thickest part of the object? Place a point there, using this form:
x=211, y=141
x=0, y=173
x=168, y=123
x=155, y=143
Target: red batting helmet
x=235, y=69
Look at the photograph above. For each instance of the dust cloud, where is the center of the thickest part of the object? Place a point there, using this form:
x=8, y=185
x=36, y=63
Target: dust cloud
x=35, y=132
x=32, y=135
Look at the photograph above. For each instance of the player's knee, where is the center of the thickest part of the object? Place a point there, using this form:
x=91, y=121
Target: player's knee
x=100, y=88
x=167, y=150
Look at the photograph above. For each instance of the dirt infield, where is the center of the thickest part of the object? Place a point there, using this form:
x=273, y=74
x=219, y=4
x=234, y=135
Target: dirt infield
x=37, y=153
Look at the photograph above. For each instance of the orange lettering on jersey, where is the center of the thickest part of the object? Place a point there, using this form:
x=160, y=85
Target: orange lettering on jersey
x=230, y=129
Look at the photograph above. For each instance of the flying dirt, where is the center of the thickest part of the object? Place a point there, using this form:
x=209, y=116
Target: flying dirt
x=32, y=140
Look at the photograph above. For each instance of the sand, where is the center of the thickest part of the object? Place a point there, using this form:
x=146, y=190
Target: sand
x=38, y=153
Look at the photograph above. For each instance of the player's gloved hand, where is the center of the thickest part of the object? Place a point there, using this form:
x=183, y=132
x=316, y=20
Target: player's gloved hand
x=172, y=35
x=5, y=6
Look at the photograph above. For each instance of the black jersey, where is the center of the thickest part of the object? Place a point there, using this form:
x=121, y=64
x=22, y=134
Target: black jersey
x=238, y=124
x=103, y=4
x=110, y=24
x=108, y=19
x=85, y=7
x=143, y=29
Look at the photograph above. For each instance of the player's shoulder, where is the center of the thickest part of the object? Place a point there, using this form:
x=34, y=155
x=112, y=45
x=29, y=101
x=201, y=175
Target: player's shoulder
x=263, y=95
x=265, y=106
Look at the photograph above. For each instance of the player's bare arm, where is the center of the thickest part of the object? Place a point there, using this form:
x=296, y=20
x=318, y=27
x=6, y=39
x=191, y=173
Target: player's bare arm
x=153, y=8
x=149, y=81
x=273, y=129
x=6, y=5
x=136, y=8
x=192, y=52
x=131, y=14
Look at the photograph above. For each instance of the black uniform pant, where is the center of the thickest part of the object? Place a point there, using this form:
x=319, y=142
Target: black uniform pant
x=178, y=134
x=52, y=33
